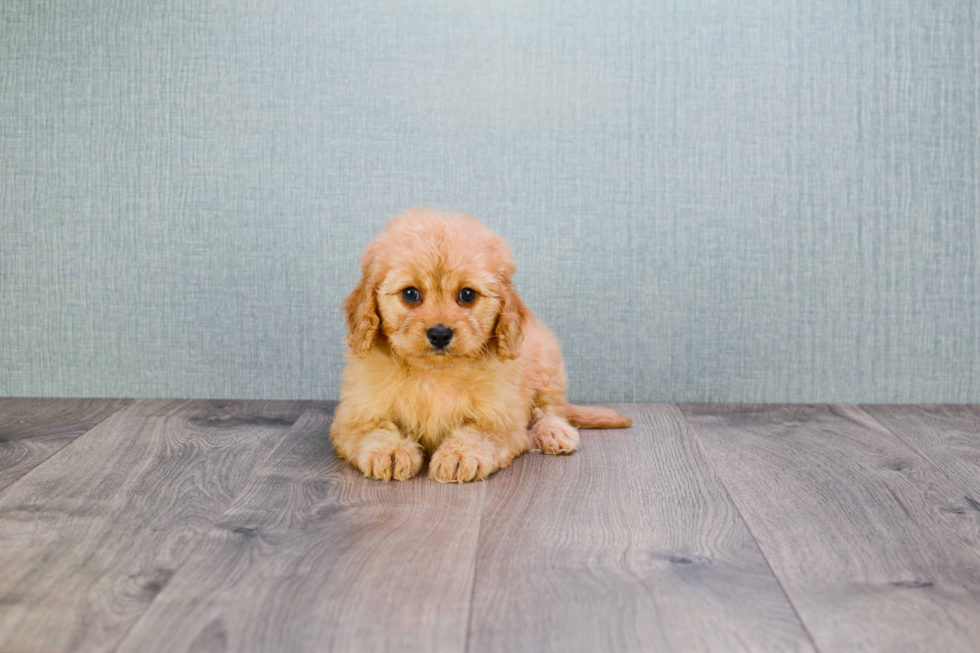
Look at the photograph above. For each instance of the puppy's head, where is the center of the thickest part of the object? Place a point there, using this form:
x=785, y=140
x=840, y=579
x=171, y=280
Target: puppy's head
x=436, y=287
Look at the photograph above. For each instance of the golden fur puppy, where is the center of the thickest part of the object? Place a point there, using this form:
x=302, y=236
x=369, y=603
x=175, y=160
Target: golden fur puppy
x=446, y=359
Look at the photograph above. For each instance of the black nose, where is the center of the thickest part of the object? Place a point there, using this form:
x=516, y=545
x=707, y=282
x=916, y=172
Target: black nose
x=439, y=336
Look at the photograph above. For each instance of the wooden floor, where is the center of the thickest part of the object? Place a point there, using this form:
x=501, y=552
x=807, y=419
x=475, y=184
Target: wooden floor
x=154, y=525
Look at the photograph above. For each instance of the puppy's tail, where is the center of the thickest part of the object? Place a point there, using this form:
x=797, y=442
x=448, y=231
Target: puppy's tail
x=595, y=417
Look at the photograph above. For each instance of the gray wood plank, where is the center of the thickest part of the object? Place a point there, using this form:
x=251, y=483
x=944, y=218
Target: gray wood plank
x=314, y=557
x=861, y=531
x=31, y=430
x=88, y=539
x=629, y=545
x=947, y=436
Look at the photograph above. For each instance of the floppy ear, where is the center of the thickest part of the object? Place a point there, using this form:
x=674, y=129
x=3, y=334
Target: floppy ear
x=361, y=310
x=510, y=323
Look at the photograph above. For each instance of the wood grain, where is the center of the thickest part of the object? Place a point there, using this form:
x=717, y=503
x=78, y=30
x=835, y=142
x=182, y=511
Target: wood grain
x=947, y=436
x=314, y=557
x=31, y=430
x=88, y=539
x=864, y=534
x=629, y=545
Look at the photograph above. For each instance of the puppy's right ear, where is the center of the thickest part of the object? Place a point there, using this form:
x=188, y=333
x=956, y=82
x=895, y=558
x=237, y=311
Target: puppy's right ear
x=361, y=311
x=510, y=323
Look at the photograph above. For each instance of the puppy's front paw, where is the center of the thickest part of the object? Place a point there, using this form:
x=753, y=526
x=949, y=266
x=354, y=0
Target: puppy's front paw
x=552, y=434
x=461, y=461
x=385, y=460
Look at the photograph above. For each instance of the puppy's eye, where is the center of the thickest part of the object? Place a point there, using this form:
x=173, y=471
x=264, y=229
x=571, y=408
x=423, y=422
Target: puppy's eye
x=467, y=295
x=411, y=295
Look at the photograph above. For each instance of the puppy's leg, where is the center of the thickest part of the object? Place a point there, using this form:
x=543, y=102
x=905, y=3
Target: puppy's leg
x=468, y=454
x=379, y=450
x=552, y=434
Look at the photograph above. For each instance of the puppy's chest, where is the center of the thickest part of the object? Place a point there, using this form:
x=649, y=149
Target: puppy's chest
x=430, y=408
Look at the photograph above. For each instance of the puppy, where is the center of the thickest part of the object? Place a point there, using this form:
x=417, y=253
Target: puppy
x=446, y=360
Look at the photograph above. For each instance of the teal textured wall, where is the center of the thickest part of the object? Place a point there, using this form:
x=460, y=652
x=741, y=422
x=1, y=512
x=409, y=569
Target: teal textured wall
x=758, y=201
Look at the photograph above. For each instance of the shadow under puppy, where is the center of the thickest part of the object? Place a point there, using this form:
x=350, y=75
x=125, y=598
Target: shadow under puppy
x=446, y=359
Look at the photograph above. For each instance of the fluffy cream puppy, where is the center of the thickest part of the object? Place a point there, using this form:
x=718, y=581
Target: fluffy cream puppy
x=446, y=360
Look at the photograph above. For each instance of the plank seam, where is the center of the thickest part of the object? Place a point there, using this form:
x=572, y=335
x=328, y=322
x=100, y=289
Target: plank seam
x=913, y=450
x=748, y=528
x=476, y=561
x=43, y=462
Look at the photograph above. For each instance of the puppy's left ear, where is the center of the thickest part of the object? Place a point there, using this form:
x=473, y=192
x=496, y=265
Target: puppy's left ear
x=509, y=331
x=361, y=311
